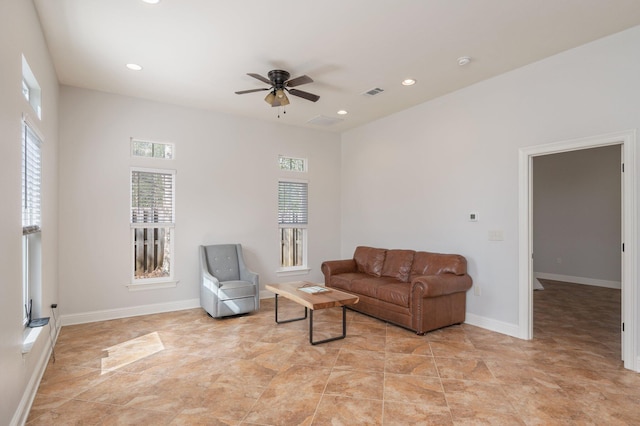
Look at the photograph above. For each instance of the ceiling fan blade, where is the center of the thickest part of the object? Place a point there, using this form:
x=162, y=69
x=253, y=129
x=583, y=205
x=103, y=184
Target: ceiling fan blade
x=261, y=78
x=242, y=92
x=306, y=95
x=303, y=79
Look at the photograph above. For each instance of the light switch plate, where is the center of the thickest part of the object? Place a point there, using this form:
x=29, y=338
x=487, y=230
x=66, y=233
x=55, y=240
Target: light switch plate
x=496, y=236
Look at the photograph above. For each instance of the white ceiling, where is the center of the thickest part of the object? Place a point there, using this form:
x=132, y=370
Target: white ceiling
x=197, y=52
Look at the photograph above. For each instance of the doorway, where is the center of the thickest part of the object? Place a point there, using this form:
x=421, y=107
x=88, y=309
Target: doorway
x=577, y=244
x=629, y=219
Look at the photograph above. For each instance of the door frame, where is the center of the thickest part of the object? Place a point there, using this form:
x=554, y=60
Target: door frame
x=629, y=225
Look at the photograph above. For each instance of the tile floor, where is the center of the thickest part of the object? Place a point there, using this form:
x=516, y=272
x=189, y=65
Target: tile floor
x=184, y=368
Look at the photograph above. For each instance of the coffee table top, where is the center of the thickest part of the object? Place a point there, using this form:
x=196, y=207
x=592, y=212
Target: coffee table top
x=323, y=300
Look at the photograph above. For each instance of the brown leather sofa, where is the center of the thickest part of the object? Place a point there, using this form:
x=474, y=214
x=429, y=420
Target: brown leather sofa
x=417, y=290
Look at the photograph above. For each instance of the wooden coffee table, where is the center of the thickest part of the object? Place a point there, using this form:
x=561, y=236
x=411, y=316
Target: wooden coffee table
x=329, y=299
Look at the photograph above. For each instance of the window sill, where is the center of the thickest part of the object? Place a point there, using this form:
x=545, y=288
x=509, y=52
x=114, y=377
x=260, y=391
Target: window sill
x=29, y=337
x=154, y=285
x=302, y=270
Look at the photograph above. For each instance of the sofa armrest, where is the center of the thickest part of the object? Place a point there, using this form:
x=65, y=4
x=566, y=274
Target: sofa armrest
x=334, y=267
x=441, y=284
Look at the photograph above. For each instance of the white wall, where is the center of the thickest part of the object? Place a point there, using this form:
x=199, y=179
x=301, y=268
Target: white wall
x=226, y=192
x=577, y=215
x=409, y=180
x=20, y=34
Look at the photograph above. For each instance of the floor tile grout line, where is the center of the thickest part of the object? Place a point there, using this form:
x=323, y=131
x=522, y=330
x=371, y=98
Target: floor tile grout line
x=597, y=358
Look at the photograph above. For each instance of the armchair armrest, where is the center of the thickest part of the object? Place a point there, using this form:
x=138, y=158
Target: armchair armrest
x=246, y=274
x=440, y=285
x=209, y=281
x=249, y=276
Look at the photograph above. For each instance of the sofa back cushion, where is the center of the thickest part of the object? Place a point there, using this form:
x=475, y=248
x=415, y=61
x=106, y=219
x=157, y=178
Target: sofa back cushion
x=397, y=264
x=369, y=260
x=425, y=263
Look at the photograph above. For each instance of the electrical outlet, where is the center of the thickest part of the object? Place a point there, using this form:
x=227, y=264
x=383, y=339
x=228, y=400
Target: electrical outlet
x=476, y=290
x=54, y=305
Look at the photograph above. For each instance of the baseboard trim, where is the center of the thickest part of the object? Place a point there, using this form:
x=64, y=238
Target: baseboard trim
x=266, y=294
x=579, y=280
x=493, y=325
x=133, y=311
x=24, y=407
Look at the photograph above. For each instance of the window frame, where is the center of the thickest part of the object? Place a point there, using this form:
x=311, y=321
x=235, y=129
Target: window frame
x=34, y=97
x=133, y=142
x=305, y=163
x=304, y=267
x=157, y=282
x=31, y=206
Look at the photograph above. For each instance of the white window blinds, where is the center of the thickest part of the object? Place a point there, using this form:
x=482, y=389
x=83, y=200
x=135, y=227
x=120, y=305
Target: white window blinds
x=152, y=197
x=292, y=203
x=31, y=180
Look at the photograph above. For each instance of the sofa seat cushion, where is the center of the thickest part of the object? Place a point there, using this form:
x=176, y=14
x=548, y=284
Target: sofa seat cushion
x=397, y=264
x=395, y=293
x=369, y=260
x=343, y=281
x=369, y=286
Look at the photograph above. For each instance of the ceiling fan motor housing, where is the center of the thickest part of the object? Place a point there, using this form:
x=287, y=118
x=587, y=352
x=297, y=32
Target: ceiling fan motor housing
x=278, y=77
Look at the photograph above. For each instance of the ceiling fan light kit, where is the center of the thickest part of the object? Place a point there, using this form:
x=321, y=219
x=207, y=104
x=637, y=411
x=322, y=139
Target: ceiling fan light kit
x=270, y=98
x=280, y=85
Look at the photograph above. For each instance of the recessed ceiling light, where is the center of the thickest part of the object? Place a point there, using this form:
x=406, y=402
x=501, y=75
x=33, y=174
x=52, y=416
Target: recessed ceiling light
x=342, y=112
x=408, y=82
x=151, y=1
x=464, y=60
x=134, y=67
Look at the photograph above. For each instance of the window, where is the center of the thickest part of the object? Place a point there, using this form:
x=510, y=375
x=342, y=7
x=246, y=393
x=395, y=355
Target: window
x=31, y=89
x=31, y=217
x=152, y=224
x=141, y=148
x=292, y=164
x=292, y=222
x=25, y=90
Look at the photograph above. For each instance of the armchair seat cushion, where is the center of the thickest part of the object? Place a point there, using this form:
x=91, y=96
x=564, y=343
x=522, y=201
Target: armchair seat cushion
x=235, y=289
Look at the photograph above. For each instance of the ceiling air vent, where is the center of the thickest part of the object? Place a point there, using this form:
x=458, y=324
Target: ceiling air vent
x=373, y=92
x=323, y=120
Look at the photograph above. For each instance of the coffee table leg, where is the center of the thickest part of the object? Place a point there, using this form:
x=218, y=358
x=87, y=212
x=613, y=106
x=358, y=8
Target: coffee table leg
x=290, y=320
x=331, y=339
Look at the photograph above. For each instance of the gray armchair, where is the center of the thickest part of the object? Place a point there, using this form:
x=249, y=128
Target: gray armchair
x=227, y=287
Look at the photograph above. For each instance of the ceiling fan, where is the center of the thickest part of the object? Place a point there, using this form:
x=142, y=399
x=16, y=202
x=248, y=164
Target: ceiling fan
x=280, y=85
